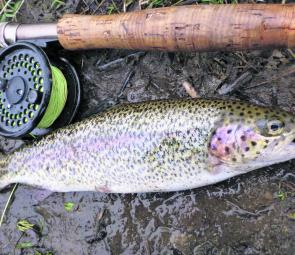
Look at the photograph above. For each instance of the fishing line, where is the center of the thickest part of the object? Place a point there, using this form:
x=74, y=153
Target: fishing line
x=58, y=98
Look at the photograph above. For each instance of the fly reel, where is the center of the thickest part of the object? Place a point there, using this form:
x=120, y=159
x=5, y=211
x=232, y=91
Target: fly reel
x=36, y=95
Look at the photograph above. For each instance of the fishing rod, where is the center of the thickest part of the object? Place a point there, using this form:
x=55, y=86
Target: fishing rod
x=40, y=91
x=188, y=28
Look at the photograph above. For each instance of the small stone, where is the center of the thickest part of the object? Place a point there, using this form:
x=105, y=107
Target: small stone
x=268, y=195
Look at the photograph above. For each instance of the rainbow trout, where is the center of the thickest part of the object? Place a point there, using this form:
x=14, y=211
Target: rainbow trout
x=155, y=146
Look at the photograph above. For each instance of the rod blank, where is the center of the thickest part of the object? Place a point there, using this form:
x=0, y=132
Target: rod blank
x=13, y=32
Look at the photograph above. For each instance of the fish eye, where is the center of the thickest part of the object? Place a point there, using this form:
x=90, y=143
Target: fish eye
x=275, y=127
x=271, y=127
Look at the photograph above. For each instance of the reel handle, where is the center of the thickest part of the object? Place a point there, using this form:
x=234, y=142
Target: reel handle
x=185, y=28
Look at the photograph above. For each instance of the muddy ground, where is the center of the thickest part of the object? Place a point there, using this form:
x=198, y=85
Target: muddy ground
x=250, y=214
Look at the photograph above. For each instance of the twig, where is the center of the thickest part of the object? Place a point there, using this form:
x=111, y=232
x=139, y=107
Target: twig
x=289, y=185
x=241, y=80
x=99, y=216
x=190, y=90
x=240, y=56
x=290, y=70
x=125, y=83
x=118, y=61
x=111, y=63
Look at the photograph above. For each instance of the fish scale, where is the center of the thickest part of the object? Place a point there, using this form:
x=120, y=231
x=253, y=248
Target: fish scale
x=153, y=146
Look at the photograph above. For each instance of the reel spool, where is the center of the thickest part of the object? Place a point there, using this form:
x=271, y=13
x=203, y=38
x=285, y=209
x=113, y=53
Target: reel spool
x=28, y=88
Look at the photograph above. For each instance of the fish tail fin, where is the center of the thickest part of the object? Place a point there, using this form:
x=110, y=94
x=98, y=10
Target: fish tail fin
x=5, y=177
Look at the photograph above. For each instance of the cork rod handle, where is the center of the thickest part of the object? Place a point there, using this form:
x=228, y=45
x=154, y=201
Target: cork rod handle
x=194, y=28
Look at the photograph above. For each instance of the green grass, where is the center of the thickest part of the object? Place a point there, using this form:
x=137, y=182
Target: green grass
x=156, y=3
x=281, y=195
x=291, y=215
x=159, y=3
x=112, y=8
x=219, y=1
x=46, y=253
x=147, y=4
x=212, y=1
x=9, y=9
x=24, y=225
x=163, y=3
x=69, y=206
x=57, y=3
x=24, y=245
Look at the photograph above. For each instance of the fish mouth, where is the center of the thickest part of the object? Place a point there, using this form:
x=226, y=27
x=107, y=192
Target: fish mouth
x=282, y=147
x=287, y=144
x=291, y=139
x=291, y=144
x=279, y=150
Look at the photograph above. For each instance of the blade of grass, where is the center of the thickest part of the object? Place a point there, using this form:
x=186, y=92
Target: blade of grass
x=5, y=6
x=7, y=203
x=10, y=9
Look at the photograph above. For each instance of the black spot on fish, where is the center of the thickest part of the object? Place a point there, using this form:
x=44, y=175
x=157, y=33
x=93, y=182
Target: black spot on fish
x=247, y=149
x=243, y=138
x=219, y=138
x=253, y=143
x=267, y=141
x=234, y=159
x=227, y=150
x=229, y=131
x=241, y=114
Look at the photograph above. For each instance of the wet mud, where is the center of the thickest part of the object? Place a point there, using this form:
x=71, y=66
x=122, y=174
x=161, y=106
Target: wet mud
x=249, y=214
